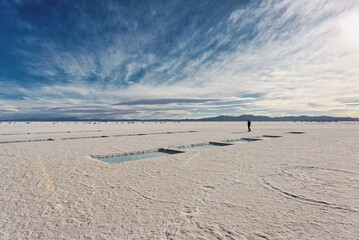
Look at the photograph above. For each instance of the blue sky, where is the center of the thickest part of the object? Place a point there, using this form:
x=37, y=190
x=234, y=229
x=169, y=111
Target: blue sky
x=178, y=59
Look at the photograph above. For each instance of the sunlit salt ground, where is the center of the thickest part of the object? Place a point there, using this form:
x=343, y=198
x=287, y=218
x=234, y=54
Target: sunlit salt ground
x=297, y=186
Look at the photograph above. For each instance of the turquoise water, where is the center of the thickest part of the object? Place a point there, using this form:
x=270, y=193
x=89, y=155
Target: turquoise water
x=131, y=157
x=199, y=147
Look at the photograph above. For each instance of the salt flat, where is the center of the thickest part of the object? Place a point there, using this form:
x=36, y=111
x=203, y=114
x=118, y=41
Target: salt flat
x=298, y=186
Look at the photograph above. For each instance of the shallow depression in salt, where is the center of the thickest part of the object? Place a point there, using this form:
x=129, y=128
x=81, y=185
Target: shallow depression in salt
x=237, y=141
x=199, y=147
x=132, y=157
x=269, y=137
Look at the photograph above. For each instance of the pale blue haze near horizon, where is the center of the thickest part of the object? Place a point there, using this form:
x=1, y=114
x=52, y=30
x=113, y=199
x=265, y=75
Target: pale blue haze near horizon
x=178, y=59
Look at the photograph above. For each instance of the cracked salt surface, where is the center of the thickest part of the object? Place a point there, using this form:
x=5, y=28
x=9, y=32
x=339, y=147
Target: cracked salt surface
x=294, y=187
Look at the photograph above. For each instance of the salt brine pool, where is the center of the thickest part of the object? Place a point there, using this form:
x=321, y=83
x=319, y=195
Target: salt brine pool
x=136, y=156
x=199, y=147
x=237, y=141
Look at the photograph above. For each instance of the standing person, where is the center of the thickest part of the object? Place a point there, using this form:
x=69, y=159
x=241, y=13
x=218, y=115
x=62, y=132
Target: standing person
x=249, y=125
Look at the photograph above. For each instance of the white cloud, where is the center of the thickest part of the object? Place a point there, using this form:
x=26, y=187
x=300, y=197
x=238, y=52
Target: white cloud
x=297, y=58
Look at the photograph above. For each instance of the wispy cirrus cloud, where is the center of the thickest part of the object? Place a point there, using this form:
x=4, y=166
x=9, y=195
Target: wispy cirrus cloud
x=172, y=58
x=168, y=101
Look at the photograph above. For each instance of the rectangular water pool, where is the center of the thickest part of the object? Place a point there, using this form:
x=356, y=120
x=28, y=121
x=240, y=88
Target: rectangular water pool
x=135, y=156
x=269, y=137
x=251, y=139
x=237, y=141
x=199, y=147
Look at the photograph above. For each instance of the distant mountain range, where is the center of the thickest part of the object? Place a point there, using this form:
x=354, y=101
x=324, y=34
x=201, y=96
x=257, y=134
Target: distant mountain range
x=218, y=118
x=287, y=118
